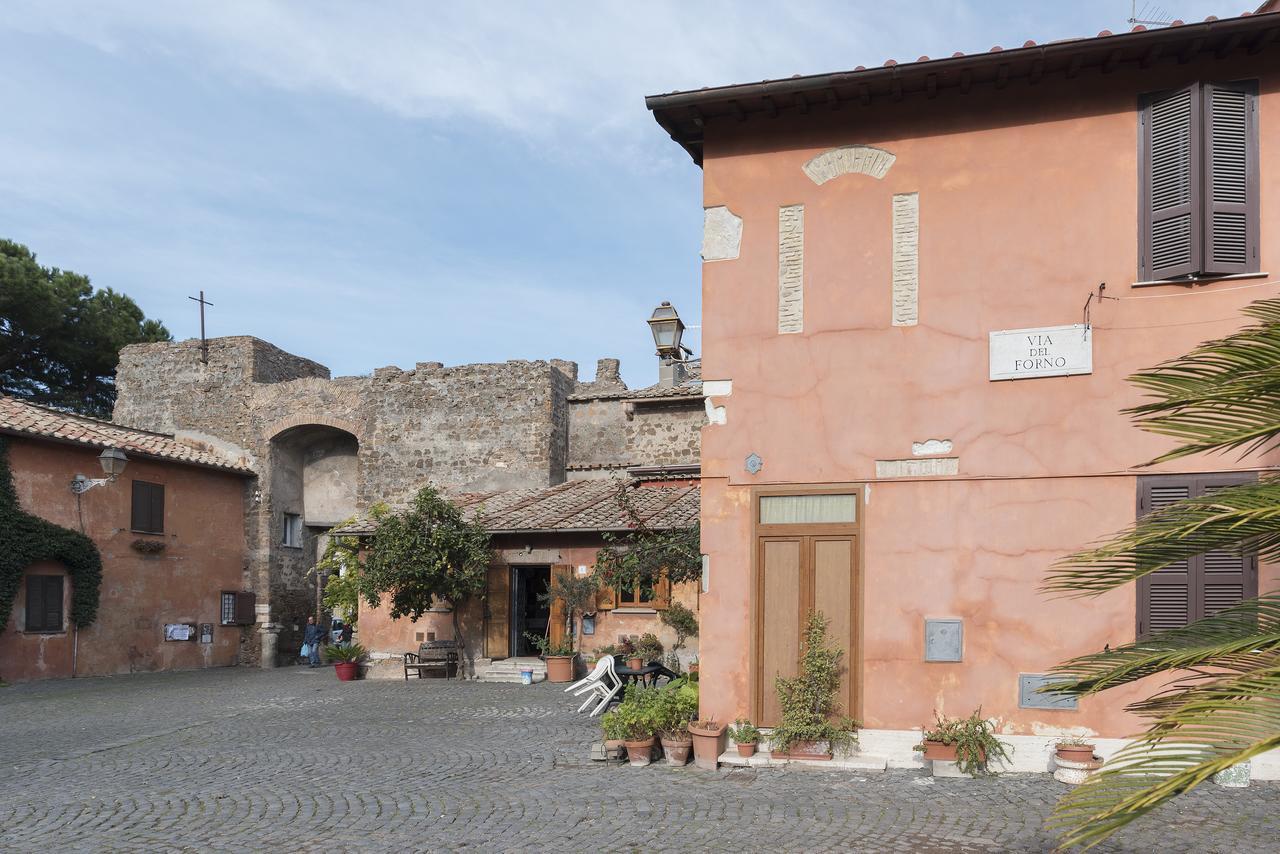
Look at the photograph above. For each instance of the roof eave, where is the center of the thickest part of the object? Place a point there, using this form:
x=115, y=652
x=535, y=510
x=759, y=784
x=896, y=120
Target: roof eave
x=132, y=452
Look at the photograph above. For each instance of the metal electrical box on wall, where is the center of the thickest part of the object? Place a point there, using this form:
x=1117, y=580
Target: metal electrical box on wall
x=1029, y=696
x=943, y=640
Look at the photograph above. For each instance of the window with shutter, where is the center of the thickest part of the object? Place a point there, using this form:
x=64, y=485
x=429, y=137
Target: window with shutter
x=1198, y=182
x=1189, y=590
x=44, y=603
x=147, y=516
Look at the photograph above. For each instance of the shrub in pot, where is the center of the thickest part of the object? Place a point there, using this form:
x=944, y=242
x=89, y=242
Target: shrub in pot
x=649, y=648
x=627, y=651
x=1074, y=750
x=811, y=726
x=969, y=742
x=633, y=722
x=673, y=707
x=745, y=736
x=347, y=659
x=614, y=736
x=559, y=656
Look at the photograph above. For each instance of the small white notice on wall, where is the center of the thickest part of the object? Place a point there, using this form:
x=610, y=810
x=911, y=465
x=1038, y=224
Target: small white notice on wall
x=1048, y=351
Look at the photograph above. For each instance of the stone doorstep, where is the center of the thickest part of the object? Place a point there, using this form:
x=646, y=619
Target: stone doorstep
x=851, y=762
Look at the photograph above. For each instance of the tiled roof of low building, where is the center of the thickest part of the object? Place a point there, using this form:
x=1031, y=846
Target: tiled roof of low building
x=688, y=388
x=21, y=418
x=576, y=505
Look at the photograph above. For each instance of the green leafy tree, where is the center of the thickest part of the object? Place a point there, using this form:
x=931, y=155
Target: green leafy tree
x=1222, y=704
x=60, y=339
x=426, y=553
x=643, y=556
x=576, y=593
x=341, y=564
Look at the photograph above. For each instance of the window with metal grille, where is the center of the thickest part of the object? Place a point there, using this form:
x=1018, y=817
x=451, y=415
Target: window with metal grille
x=147, y=516
x=237, y=608
x=1183, y=592
x=44, y=603
x=1198, y=181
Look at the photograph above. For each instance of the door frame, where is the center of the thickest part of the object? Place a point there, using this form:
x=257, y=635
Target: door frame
x=760, y=532
x=513, y=623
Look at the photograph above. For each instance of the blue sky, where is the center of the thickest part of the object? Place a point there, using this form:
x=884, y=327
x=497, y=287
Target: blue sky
x=383, y=183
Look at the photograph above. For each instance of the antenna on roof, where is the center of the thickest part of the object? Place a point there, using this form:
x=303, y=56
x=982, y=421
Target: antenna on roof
x=1150, y=16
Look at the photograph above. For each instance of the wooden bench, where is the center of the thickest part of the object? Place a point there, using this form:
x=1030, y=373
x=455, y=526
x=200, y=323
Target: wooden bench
x=438, y=654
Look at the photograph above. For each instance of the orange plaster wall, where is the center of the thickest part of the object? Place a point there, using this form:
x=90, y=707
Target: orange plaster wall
x=1027, y=203
x=204, y=554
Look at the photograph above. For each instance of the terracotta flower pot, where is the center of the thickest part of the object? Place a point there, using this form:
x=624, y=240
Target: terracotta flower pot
x=635, y=663
x=676, y=751
x=937, y=750
x=559, y=668
x=1075, y=752
x=346, y=670
x=747, y=749
x=708, y=744
x=805, y=750
x=640, y=752
x=614, y=748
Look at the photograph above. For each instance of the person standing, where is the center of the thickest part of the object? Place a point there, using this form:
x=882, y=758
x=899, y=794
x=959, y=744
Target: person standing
x=347, y=632
x=311, y=639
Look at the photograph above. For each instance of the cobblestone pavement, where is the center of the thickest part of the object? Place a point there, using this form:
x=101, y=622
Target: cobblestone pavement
x=293, y=760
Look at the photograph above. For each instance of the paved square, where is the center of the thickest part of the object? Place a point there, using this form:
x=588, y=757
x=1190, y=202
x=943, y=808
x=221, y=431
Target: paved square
x=293, y=760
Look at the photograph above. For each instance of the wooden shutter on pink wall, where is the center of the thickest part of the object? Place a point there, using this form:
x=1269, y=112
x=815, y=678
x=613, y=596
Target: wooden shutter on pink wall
x=1170, y=184
x=1231, y=178
x=1203, y=585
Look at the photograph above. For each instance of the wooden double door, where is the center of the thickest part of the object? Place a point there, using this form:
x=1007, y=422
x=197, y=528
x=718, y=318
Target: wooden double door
x=796, y=575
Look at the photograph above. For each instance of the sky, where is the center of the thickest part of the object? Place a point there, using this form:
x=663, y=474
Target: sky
x=372, y=184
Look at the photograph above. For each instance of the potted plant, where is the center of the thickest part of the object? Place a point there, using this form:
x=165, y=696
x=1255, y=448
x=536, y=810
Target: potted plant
x=627, y=650
x=614, y=736
x=558, y=656
x=812, y=726
x=347, y=659
x=1074, y=749
x=684, y=623
x=745, y=736
x=969, y=742
x=693, y=668
x=708, y=738
x=633, y=722
x=673, y=706
x=649, y=648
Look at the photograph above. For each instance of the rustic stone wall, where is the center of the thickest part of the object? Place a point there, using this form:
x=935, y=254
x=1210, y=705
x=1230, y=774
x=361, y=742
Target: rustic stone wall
x=467, y=428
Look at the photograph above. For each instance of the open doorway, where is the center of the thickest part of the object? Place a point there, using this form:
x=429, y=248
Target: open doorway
x=530, y=611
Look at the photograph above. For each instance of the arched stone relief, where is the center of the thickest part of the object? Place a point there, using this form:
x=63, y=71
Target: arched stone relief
x=849, y=160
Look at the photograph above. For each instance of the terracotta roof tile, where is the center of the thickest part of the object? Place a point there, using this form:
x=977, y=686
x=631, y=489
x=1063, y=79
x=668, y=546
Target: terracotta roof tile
x=18, y=417
x=576, y=505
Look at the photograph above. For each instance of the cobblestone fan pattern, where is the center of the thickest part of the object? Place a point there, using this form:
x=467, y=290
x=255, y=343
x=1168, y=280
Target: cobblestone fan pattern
x=293, y=760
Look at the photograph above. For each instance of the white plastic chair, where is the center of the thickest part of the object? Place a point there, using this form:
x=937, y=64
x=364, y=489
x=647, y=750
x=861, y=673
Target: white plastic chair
x=594, y=676
x=606, y=692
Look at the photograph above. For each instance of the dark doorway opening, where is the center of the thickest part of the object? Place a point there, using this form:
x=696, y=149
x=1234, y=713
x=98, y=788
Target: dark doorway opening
x=529, y=611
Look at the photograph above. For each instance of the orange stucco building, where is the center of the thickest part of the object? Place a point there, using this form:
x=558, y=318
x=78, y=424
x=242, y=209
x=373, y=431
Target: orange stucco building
x=875, y=451
x=170, y=533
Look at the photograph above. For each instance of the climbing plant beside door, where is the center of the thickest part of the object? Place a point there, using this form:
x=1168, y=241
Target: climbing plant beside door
x=428, y=552
x=1223, y=705
x=27, y=539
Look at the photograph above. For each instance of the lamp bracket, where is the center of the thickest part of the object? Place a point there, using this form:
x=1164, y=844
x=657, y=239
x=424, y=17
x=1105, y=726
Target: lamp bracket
x=83, y=484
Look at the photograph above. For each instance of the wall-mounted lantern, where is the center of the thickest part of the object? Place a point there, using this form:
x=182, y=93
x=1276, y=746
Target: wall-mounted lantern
x=113, y=462
x=667, y=329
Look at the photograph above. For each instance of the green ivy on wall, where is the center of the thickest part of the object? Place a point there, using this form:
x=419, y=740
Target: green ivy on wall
x=27, y=539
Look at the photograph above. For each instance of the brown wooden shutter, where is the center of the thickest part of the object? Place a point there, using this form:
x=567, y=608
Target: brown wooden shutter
x=1226, y=578
x=662, y=593
x=556, y=620
x=1170, y=181
x=1164, y=596
x=497, y=612
x=245, y=613
x=157, y=508
x=1231, y=178
x=53, y=603
x=139, y=516
x=606, y=599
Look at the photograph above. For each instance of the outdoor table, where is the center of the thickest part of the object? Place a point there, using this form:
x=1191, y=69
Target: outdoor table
x=653, y=669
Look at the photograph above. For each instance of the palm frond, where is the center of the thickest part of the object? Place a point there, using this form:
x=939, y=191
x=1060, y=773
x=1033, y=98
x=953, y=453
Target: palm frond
x=1216, y=726
x=1241, y=638
x=1223, y=395
x=1235, y=518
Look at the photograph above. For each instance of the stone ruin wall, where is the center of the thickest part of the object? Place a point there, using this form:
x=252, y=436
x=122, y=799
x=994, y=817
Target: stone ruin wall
x=474, y=427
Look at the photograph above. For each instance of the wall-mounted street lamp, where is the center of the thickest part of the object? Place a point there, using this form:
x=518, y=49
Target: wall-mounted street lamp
x=668, y=329
x=113, y=462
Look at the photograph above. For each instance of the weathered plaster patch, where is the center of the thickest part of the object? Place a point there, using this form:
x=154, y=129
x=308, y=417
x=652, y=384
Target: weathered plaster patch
x=849, y=160
x=721, y=234
x=791, y=269
x=716, y=388
x=931, y=447
x=906, y=254
x=935, y=467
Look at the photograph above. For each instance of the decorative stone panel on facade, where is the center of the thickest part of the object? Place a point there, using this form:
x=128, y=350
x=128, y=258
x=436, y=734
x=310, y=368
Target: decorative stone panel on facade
x=721, y=234
x=791, y=269
x=935, y=467
x=849, y=160
x=906, y=252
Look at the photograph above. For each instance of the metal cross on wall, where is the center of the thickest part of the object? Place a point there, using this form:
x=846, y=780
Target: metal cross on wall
x=204, y=342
